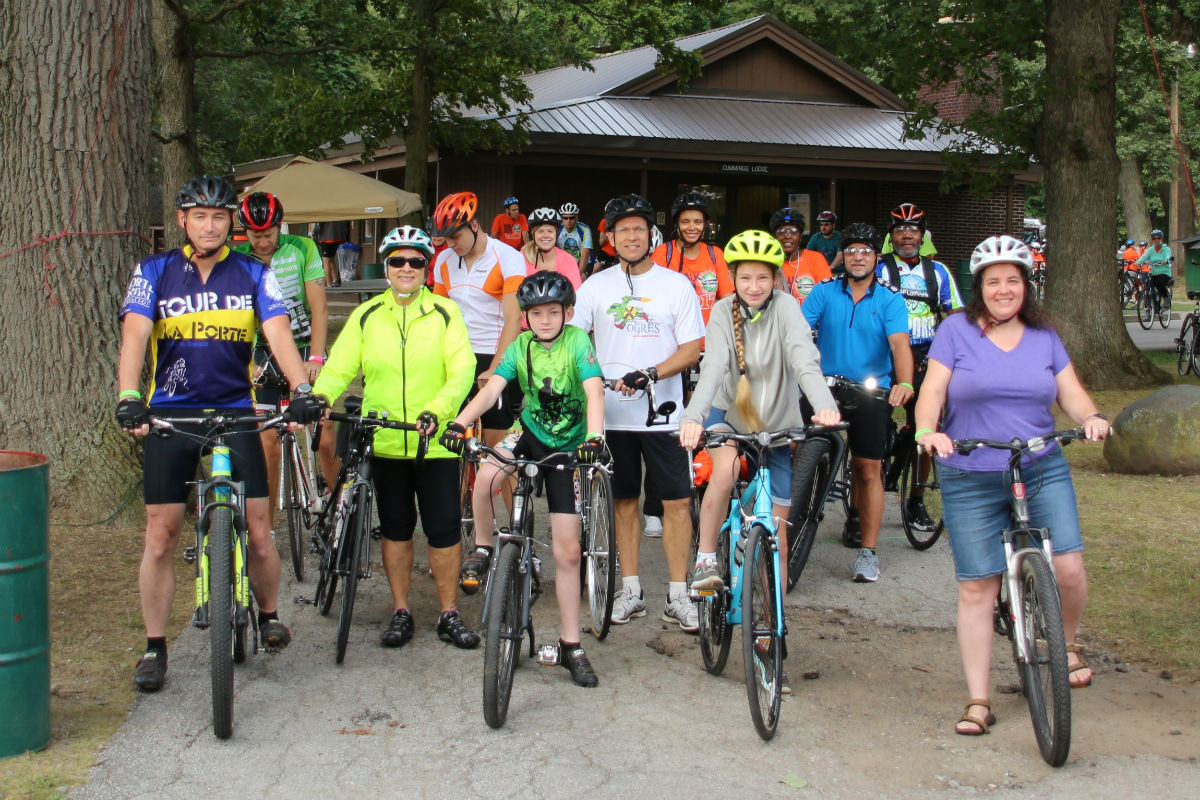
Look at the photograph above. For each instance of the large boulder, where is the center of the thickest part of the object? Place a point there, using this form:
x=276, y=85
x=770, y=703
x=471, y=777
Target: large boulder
x=1159, y=434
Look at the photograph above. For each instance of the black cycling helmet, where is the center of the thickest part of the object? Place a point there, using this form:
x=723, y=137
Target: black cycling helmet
x=260, y=211
x=827, y=216
x=908, y=214
x=860, y=233
x=690, y=201
x=545, y=286
x=544, y=216
x=786, y=216
x=627, y=205
x=207, y=191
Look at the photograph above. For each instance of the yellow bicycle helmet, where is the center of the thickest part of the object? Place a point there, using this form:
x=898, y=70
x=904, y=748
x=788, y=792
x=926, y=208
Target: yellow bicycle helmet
x=754, y=245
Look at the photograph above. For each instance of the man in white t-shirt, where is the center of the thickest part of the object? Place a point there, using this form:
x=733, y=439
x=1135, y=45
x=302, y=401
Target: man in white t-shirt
x=647, y=326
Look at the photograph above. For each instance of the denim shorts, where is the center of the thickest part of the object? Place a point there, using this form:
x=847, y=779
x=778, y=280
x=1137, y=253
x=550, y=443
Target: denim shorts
x=779, y=460
x=975, y=506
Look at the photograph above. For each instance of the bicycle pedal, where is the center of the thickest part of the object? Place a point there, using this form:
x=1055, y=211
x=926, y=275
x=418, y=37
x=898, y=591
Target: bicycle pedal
x=548, y=655
x=702, y=594
x=189, y=554
x=376, y=534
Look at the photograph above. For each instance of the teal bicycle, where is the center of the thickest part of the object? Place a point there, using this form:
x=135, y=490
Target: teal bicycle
x=752, y=594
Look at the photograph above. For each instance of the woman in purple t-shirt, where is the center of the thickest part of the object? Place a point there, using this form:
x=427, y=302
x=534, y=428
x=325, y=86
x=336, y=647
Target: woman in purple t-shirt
x=997, y=370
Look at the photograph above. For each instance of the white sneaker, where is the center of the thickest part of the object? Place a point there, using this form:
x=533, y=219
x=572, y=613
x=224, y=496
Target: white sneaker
x=626, y=606
x=683, y=611
x=653, y=527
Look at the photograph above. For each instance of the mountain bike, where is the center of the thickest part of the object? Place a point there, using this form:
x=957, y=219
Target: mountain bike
x=224, y=600
x=748, y=563
x=1187, y=345
x=1131, y=287
x=812, y=481
x=1153, y=304
x=1028, y=610
x=344, y=541
x=514, y=574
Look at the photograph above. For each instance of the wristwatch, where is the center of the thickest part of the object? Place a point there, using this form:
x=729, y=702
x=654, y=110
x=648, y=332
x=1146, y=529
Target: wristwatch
x=652, y=372
x=303, y=388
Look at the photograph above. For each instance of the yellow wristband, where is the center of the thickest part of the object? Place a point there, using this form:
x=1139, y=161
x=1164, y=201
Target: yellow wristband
x=134, y=393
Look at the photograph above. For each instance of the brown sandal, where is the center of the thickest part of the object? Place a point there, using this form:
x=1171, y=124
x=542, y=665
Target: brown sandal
x=1082, y=665
x=982, y=722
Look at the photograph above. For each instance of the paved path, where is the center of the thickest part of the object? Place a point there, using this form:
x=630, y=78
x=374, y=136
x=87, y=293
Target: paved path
x=874, y=718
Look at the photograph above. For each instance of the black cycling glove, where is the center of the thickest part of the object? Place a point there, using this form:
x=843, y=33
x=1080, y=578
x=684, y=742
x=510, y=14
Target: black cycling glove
x=638, y=379
x=454, y=438
x=589, y=450
x=306, y=408
x=132, y=414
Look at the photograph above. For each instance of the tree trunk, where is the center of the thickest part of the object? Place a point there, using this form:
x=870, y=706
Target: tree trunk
x=75, y=125
x=1078, y=145
x=1133, y=200
x=175, y=101
x=416, y=137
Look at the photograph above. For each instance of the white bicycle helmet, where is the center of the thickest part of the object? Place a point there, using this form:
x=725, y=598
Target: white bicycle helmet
x=406, y=236
x=656, y=238
x=568, y=208
x=1001, y=250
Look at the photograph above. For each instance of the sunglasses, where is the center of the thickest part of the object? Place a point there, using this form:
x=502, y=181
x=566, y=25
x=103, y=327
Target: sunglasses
x=859, y=251
x=399, y=262
x=787, y=231
x=570, y=216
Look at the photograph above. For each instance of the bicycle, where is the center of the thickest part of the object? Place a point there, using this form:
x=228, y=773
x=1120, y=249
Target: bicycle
x=748, y=564
x=1028, y=610
x=466, y=490
x=344, y=542
x=812, y=481
x=514, y=575
x=1187, y=345
x=1131, y=285
x=224, y=599
x=1153, y=304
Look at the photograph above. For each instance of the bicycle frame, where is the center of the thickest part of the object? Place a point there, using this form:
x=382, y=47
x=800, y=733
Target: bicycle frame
x=514, y=532
x=221, y=491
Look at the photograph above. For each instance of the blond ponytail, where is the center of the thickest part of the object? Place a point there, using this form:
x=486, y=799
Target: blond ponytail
x=744, y=402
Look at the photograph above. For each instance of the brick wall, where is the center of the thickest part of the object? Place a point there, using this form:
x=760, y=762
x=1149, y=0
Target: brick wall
x=957, y=221
x=954, y=107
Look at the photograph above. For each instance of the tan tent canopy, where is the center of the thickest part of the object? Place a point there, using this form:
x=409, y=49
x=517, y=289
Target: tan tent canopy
x=315, y=192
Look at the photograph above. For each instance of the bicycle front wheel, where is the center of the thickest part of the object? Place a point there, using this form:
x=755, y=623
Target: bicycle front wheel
x=295, y=509
x=922, y=531
x=716, y=634
x=810, y=466
x=600, y=552
x=359, y=530
x=1045, y=678
x=1145, y=308
x=762, y=645
x=466, y=514
x=504, y=631
x=1164, y=309
x=220, y=625
x=1185, y=353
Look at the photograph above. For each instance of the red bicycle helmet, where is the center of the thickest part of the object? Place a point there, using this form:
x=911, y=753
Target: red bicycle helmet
x=260, y=211
x=453, y=212
x=908, y=214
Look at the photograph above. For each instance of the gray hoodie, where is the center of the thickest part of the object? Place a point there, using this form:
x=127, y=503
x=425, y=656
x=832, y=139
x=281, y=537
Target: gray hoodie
x=781, y=359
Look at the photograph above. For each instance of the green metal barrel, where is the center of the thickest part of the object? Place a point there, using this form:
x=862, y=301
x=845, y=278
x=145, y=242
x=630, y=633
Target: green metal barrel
x=24, y=602
x=964, y=279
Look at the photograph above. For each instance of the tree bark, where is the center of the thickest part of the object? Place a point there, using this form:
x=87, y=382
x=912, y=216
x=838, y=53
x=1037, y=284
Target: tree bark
x=75, y=125
x=1078, y=144
x=1133, y=200
x=416, y=137
x=175, y=101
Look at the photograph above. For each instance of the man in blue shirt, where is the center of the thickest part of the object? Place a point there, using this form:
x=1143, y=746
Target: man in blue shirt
x=862, y=333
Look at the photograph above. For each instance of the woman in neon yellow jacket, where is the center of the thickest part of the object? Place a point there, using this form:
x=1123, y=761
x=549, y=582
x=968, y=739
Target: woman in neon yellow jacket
x=417, y=365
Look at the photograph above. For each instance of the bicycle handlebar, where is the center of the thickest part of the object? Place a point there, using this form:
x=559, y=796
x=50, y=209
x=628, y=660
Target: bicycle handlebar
x=558, y=461
x=764, y=439
x=165, y=426
x=868, y=388
x=654, y=410
x=370, y=420
x=1019, y=447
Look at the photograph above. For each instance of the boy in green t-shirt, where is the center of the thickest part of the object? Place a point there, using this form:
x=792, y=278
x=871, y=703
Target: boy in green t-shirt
x=559, y=374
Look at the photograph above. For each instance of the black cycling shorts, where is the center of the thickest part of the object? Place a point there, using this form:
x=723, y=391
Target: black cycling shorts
x=667, y=476
x=501, y=416
x=867, y=433
x=170, y=462
x=400, y=487
x=328, y=249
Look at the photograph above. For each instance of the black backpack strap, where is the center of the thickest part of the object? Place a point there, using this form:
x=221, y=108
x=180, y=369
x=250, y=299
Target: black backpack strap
x=893, y=272
x=933, y=293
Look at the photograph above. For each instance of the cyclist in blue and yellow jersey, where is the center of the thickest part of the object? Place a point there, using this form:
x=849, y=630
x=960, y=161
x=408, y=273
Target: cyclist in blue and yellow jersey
x=560, y=377
x=575, y=237
x=862, y=332
x=415, y=357
x=930, y=293
x=1158, y=258
x=297, y=267
x=197, y=309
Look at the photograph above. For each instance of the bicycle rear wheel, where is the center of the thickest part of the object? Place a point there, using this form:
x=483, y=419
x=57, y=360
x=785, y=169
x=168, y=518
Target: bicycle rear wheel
x=1128, y=294
x=921, y=536
x=220, y=627
x=810, y=466
x=504, y=631
x=600, y=551
x=716, y=634
x=1045, y=679
x=1185, y=352
x=295, y=510
x=359, y=530
x=762, y=646
x=1145, y=308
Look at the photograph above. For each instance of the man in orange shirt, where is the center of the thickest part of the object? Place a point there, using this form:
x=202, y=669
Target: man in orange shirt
x=510, y=226
x=802, y=269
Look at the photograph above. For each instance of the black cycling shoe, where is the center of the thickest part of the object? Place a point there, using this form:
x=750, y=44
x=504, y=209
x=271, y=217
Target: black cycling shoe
x=918, y=517
x=576, y=661
x=399, y=631
x=274, y=634
x=474, y=568
x=852, y=532
x=451, y=628
x=151, y=671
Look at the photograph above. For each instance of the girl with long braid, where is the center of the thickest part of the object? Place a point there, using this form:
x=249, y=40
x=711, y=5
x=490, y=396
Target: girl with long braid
x=759, y=357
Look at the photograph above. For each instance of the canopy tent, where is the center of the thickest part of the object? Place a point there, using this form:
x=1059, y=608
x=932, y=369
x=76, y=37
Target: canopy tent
x=314, y=192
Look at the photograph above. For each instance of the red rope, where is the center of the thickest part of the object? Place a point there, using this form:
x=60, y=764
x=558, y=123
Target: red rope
x=1187, y=172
